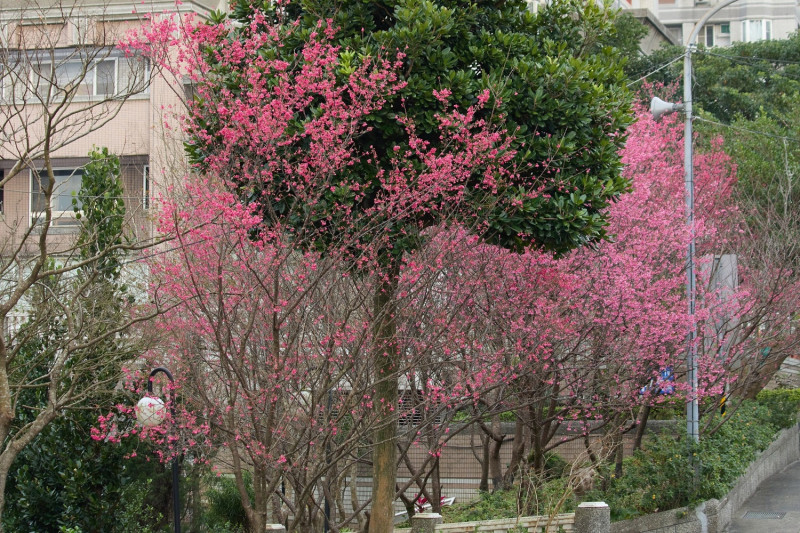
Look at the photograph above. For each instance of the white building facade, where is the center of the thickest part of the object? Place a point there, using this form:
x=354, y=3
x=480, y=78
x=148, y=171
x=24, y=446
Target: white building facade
x=745, y=20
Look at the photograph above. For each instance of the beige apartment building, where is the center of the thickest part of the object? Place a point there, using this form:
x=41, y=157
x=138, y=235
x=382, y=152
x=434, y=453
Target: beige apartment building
x=65, y=87
x=745, y=20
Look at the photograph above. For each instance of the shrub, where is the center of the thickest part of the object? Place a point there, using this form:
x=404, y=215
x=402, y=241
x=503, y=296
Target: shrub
x=554, y=466
x=489, y=505
x=659, y=477
x=530, y=496
x=783, y=405
x=225, y=511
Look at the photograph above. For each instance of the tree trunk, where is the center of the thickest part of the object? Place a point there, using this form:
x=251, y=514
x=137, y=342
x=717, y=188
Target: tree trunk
x=254, y=518
x=642, y=425
x=384, y=452
x=619, y=452
x=436, y=489
x=261, y=498
x=495, y=468
x=517, y=453
x=485, y=441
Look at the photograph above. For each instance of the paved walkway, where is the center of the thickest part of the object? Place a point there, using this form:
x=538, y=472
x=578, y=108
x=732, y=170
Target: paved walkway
x=774, y=507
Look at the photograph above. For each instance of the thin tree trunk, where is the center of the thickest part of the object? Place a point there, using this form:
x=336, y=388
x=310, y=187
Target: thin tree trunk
x=619, y=452
x=642, y=425
x=384, y=452
x=436, y=488
x=495, y=468
x=261, y=498
x=485, y=441
x=517, y=452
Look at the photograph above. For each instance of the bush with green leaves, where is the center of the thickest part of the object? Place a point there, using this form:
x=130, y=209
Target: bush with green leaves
x=659, y=476
x=783, y=405
x=225, y=511
x=531, y=496
x=499, y=504
x=66, y=480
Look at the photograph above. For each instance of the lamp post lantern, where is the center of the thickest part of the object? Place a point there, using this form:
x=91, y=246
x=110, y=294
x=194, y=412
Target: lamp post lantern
x=658, y=107
x=151, y=412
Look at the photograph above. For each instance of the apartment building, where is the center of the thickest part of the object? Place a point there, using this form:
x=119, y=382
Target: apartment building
x=745, y=20
x=66, y=87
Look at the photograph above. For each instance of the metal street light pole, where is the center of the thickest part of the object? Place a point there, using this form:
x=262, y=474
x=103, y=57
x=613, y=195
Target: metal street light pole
x=150, y=413
x=659, y=107
x=692, y=409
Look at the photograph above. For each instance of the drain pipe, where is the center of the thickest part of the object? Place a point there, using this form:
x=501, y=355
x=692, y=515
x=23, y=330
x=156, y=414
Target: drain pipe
x=700, y=513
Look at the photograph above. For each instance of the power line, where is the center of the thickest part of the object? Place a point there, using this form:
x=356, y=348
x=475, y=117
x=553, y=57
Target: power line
x=662, y=67
x=735, y=58
x=748, y=130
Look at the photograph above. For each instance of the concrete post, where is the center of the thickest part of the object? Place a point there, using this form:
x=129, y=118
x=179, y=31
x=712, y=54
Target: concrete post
x=275, y=527
x=425, y=522
x=593, y=517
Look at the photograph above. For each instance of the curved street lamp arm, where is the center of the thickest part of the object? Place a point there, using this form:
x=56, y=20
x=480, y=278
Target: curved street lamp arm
x=711, y=12
x=152, y=375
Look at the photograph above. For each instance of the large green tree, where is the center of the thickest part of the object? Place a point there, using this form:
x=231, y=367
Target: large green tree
x=555, y=88
x=744, y=80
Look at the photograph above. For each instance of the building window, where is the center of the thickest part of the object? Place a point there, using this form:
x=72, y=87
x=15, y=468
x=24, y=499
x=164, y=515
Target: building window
x=725, y=28
x=82, y=73
x=756, y=30
x=146, y=187
x=97, y=78
x=710, y=36
x=67, y=185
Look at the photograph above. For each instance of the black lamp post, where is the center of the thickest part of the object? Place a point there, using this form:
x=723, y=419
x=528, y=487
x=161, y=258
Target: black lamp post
x=150, y=413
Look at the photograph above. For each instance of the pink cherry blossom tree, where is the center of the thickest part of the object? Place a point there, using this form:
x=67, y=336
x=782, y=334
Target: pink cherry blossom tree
x=299, y=130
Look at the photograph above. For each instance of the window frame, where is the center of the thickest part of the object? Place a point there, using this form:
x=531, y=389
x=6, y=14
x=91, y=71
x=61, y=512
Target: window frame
x=62, y=219
x=129, y=74
x=146, y=187
x=39, y=84
x=764, y=30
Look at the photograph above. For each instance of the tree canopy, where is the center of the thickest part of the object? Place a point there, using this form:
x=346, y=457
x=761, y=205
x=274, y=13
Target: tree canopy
x=744, y=80
x=554, y=87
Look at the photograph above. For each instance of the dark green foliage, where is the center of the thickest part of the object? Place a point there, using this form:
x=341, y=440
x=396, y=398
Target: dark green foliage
x=744, y=80
x=66, y=479
x=625, y=37
x=749, y=79
x=554, y=465
x=658, y=477
x=225, y=511
x=767, y=158
x=783, y=405
x=556, y=85
x=101, y=209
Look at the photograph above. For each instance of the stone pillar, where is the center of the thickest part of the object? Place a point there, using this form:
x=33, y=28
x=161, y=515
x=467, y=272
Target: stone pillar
x=425, y=522
x=275, y=527
x=593, y=517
